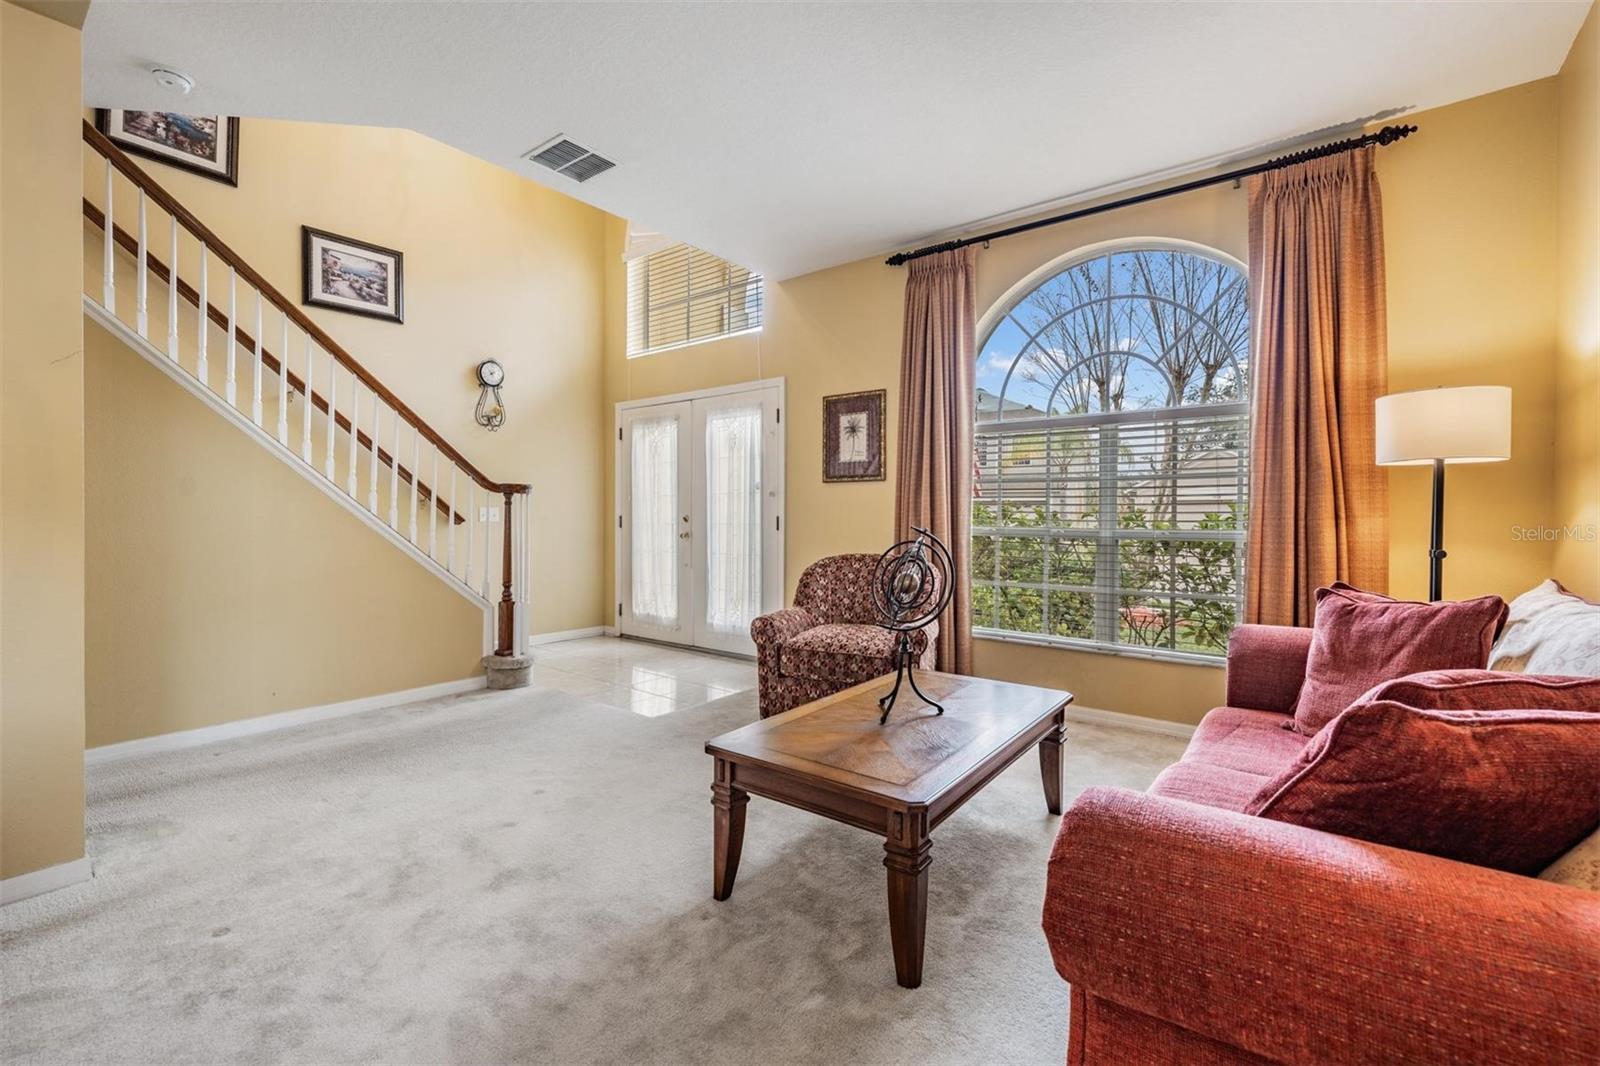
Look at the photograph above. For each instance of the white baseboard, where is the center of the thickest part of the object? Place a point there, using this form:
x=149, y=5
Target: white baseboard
x=568, y=634
x=267, y=723
x=38, y=882
x=1129, y=721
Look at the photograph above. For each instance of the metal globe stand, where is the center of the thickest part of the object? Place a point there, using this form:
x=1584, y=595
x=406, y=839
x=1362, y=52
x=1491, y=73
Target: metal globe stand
x=911, y=587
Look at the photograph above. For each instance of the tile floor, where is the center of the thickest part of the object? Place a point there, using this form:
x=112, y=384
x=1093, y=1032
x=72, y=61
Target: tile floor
x=632, y=675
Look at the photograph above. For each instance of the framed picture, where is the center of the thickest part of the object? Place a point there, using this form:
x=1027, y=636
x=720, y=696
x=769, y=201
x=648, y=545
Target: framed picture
x=852, y=436
x=350, y=275
x=204, y=144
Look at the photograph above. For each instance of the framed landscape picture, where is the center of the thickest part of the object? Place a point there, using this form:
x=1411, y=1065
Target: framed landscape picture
x=350, y=275
x=852, y=436
x=204, y=144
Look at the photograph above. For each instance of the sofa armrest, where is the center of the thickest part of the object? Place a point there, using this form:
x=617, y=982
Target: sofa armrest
x=1266, y=666
x=779, y=626
x=1303, y=946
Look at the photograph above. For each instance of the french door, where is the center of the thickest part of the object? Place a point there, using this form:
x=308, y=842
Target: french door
x=700, y=516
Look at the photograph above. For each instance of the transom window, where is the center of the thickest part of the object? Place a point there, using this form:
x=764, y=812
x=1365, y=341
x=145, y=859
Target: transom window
x=680, y=295
x=1111, y=470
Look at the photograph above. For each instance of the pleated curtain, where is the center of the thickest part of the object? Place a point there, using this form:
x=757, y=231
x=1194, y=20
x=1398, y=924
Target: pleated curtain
x=1319, y=509
x=933, y=482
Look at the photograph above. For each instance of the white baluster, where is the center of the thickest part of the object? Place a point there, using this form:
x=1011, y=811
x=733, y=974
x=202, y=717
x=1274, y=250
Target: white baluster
x=488, y=543
x=416, y=465
x=450, y=524
x=472, y=529
x=202, y=370
x=394, y=477
x=283, y=384
x=142, y=281
x=255, y=384
x=372, y=483
x=433, y=509
x=333, y=426
x=172, y=295
x=305, y=415
x=108, y=290
x=230, y=388
x=355, y=417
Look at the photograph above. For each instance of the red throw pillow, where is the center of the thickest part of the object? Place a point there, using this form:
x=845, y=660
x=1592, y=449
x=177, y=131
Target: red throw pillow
x=1511, y=789
x=1360, y=638
x=1489, y=690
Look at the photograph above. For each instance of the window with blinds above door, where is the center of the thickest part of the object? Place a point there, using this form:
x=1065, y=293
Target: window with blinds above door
x=680, y=295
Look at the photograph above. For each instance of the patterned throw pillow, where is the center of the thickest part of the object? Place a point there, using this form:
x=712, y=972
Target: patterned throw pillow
x=1361, y=638
x=1508, y=789
x=1550, y=631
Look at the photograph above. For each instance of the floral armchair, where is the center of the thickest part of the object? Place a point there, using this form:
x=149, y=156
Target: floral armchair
x=829, y=639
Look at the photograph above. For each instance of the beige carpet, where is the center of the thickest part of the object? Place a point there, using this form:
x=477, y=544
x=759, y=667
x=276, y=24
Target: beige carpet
x=525, y=877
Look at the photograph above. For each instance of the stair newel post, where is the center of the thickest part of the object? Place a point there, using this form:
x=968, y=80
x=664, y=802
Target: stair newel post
x=507, y=645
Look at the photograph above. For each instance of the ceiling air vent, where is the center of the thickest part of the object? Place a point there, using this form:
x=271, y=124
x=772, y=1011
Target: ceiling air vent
x=569, y=158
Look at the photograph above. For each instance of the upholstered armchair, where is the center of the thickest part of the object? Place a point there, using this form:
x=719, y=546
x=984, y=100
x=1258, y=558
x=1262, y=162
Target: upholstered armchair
x=828, y=640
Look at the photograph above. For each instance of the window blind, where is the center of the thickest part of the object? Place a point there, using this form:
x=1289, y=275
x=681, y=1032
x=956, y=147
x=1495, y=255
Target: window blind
x=681, y=295
x=1122, y=529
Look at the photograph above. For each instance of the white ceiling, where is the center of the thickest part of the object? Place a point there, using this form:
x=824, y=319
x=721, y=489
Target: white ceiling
x=791, y=137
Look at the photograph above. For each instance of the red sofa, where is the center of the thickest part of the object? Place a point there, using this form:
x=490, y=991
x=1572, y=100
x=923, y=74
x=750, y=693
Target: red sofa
x=1194, y=934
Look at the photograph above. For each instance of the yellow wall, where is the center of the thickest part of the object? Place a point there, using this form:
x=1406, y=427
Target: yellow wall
x=1470, y=225
x=495, y=266
x=222, y=586
x=1577, y=514
x=1470, y=229
x=41, y=447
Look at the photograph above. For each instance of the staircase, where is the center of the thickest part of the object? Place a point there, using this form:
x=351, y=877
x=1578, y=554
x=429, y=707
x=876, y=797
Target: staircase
x=307, y=400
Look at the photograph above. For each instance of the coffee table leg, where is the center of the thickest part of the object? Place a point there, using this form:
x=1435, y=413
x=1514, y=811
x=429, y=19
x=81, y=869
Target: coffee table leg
x=727, y=830
x=1050, y=763
x=906, y=856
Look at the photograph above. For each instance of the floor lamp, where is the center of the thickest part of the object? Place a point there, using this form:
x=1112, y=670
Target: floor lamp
x=1432, y=427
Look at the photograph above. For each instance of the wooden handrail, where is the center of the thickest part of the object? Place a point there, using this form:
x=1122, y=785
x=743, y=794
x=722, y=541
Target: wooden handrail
x=119, y=159
x=128, y=243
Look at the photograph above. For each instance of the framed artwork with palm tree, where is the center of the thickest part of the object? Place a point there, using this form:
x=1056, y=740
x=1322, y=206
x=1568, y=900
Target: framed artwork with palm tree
x=852, y=436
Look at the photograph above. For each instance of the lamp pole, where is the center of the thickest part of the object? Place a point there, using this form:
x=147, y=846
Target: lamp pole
x=1436, y=551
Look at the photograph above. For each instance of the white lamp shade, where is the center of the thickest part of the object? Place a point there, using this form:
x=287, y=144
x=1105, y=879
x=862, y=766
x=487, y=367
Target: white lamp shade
x=1471, y=424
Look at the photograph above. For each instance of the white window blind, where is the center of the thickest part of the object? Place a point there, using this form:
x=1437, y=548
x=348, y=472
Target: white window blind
x=681, y=295
x=1111, y=457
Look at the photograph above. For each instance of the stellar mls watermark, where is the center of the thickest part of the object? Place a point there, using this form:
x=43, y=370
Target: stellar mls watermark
x=1581, y=532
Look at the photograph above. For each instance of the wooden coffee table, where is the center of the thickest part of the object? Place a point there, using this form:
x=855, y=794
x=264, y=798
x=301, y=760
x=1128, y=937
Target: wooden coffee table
x=899, y=780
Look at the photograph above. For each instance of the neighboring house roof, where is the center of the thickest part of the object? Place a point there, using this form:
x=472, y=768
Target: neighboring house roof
x=989, y=407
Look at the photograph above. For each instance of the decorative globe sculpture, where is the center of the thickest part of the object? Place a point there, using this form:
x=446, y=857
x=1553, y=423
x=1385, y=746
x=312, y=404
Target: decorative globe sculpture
x=911, y=587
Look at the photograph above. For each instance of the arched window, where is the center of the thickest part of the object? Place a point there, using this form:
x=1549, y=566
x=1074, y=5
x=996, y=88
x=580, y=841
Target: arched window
x=1111, y=472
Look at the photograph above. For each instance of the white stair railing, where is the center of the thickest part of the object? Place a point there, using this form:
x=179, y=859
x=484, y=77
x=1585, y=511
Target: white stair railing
x=396, y=508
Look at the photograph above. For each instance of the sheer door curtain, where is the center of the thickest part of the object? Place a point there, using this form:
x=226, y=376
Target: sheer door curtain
x=654, y=525
x=1319, y=507
x=933, y=480
x=733, y=518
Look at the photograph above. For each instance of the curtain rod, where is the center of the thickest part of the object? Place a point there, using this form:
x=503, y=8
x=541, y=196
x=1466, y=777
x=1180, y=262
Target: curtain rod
x=1387, y=135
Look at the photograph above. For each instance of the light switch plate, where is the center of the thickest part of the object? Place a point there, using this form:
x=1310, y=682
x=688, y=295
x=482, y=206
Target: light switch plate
x=488, y=514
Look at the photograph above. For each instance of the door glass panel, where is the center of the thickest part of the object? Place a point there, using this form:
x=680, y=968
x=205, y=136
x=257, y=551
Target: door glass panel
x=733, y=518
x=655, y=519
